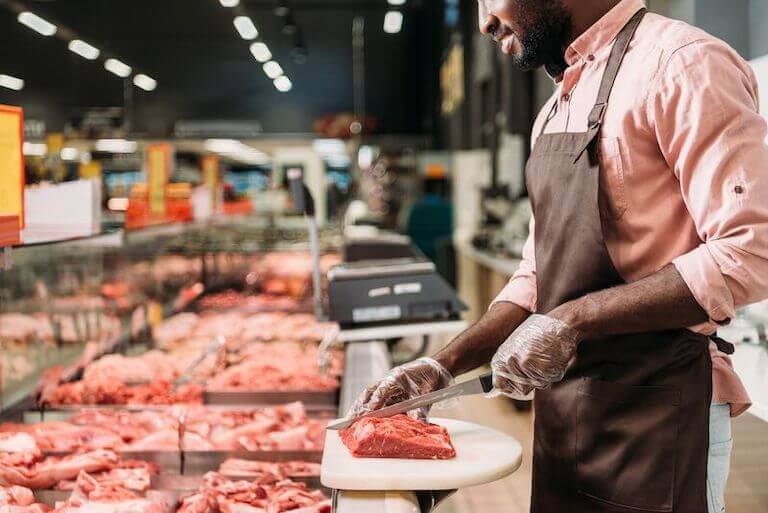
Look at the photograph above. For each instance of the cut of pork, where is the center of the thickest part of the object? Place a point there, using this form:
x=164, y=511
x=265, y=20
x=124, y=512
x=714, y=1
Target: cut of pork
x=397, y=437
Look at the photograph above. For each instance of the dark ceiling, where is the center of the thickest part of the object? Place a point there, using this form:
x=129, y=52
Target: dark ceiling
x=205, y=71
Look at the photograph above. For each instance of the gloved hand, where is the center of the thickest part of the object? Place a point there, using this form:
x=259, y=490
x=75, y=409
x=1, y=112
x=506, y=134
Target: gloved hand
x=534, y=356
x=413, y=379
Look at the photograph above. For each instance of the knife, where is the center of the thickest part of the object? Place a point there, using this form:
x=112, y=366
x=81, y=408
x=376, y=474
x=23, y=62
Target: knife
x=480, y=385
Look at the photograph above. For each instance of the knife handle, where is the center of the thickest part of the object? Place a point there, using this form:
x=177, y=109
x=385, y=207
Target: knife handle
x=486, y=381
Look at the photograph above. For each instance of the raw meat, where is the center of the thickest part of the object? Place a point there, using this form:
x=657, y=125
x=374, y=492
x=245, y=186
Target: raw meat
x=220, y=495
x=397, y=437
x=264, y=469
x=103, y=390
x=17, y=499
x=285, y=427
x=93, y=496
x=36, y=472
x=132, y=475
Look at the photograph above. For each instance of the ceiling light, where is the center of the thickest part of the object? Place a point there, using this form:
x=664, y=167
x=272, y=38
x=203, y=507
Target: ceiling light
x=236, y=150
x=229, y=3
x=144, y=82
x=282, y=8
x=84, y=50
x=246, y=28
x=272, y=69
x=283, y=84
x=393, y=22
x=10, y=82
x=117, y=67
x=222, y=145
x=261, y=52
x=116, y=146
x=396, y=2
x=35, y=149
x=37, y=23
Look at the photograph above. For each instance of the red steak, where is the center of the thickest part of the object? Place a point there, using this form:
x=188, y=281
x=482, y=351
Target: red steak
x=398, y=437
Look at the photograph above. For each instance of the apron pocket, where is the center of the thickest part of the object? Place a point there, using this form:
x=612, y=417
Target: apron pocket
x=626, y=444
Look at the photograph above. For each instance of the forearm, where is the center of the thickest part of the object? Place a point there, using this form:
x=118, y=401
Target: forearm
x=661, y=301
x=476, y=346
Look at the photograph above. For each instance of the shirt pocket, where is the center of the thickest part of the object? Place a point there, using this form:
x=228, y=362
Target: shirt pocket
x=613, y=194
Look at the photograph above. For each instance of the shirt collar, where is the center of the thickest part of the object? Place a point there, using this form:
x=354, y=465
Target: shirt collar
x=603, y=32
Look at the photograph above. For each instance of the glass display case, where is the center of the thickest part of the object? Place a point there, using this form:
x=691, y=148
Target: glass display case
x=64, y=303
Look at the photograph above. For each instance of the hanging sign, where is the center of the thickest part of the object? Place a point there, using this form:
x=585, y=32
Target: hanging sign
x=158, y=174
x=210, y=167
x=11, y=174
x=90, y=169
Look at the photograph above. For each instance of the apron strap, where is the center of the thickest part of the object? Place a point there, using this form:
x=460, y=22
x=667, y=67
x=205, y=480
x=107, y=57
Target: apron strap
x=722, y=345
x=618, y=52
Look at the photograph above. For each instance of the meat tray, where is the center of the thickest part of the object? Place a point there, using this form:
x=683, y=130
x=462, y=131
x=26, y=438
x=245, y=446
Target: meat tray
x=200, y=462
x=171, y=498
x=63, y=413
x=310, y=399
x=190, y=482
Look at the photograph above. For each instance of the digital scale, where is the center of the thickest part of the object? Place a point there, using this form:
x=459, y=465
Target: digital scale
x=400, y=290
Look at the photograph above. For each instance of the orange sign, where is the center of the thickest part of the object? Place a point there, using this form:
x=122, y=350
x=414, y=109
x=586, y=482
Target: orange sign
x=210, y=167
x=12, y=166
x=158, y=174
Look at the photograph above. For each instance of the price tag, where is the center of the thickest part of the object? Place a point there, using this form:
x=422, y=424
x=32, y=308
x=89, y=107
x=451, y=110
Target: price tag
x=154, y=313
x=12, y=164
x=90, y=170
x=210, y=166
x=158, y=174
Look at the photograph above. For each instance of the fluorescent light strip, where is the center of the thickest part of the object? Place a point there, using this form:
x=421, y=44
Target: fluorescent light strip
x=229, y=3
x=236, y=150
x=283, y=84
x=36, y=23
x=393, y=22
x=396, y=2
x=246, y=28
x=84, y=50
x=272, y=69
x=142, y=81
x=35, y=149
x=10, y=82
x=116, y=146
x=261, y=52
x=118, y=67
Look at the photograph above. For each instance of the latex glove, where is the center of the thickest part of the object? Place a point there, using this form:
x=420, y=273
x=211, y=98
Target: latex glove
x=534, y=356
x=413, y=379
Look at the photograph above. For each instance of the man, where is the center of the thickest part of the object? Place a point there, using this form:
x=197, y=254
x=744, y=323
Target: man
x=647, y=184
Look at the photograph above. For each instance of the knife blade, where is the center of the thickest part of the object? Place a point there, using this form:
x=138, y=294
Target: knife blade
x=479, y=385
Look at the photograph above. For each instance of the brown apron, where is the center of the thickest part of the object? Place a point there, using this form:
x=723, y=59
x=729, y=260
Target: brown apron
x=627, y=430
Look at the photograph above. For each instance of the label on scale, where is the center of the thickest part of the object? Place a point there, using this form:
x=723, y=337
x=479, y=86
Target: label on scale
x=377, y=313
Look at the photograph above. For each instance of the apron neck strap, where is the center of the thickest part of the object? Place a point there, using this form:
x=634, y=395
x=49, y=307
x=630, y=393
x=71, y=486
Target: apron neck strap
x=618, y=52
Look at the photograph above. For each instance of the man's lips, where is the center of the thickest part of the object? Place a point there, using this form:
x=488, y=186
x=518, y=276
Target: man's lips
x=507, y=44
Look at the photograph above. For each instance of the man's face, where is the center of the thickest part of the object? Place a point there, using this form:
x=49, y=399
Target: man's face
x=533, y=32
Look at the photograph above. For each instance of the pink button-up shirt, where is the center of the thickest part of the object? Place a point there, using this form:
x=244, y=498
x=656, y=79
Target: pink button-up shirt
x=682, y=167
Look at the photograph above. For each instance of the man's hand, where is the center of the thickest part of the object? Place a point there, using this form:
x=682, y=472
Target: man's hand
x=413, y=379
x=536, y=355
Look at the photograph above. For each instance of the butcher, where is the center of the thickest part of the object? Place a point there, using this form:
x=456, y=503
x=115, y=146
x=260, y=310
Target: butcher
x=648, y=185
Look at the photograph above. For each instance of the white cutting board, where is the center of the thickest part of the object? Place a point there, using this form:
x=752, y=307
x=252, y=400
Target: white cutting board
x=482, y=456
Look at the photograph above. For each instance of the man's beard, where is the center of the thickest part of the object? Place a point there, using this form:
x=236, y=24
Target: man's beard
x=545, y=41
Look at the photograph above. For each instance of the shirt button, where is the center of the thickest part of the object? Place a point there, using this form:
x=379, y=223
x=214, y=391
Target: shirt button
x=566, y=97
x=738, y=189
x=590, y=57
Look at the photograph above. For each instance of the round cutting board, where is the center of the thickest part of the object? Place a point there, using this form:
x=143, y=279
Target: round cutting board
x=482, y=456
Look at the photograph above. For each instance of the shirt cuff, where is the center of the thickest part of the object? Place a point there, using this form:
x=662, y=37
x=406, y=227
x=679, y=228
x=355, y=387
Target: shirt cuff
x=707, y=284
x=519, y=291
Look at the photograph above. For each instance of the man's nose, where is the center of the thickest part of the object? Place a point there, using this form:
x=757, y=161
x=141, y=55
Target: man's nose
x=489, y=25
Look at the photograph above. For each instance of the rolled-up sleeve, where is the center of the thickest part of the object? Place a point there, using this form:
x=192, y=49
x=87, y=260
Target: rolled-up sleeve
x=521, y=288
x=706, y=116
